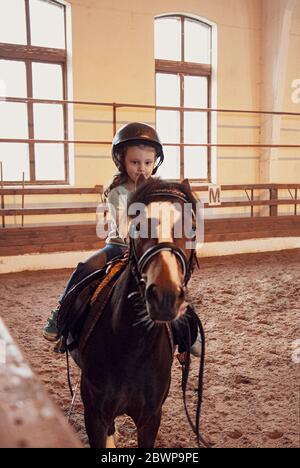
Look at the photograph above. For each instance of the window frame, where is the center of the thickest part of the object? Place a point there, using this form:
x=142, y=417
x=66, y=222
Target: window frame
x=28, y=54
x=183, y=68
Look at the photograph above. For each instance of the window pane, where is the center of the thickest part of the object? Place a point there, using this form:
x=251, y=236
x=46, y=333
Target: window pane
x=49, y=161
x=170, y=169
x=195, y=127
x=13, y=22
x=15, y=161
x=47, y=24
x=167, y=90
x=13, y=118
x=13, y=74
x=47, y=81
x=167, y=39
x=195, y=91
x=48, y=121
x=196, y=42
x=195, y=162
x=167, y=124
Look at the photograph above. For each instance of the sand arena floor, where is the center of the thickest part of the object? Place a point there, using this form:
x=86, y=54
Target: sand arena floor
x=250, y=309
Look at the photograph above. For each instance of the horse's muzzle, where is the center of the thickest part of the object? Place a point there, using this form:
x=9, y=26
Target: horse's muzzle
x=164, y=304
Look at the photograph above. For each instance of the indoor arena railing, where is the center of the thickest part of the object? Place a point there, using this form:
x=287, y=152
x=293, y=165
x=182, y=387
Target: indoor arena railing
x=250, y=190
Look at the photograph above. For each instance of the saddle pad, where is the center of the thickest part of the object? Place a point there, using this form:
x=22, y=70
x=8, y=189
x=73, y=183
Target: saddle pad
x=100, y=299
x=108, y=279
x=74, y=308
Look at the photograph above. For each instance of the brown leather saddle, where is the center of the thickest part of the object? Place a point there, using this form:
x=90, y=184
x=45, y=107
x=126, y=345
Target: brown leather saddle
x=76, y=306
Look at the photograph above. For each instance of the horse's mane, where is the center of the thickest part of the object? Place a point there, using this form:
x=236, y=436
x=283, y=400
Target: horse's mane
x=144, y=193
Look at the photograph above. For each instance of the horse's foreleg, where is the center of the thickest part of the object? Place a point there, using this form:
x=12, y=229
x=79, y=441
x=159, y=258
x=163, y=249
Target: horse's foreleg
x=111, y=438
x=98, y=434
x=96, y=431
x=147, y=433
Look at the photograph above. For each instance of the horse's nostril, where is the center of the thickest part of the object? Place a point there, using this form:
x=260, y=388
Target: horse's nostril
x=181, y=294
x=151, y=293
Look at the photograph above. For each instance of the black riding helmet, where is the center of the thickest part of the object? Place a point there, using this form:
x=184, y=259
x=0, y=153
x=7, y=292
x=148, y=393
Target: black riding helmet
x=136, y=133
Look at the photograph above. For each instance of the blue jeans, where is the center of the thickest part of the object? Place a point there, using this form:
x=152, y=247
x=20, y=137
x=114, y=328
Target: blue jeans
x=94, y=263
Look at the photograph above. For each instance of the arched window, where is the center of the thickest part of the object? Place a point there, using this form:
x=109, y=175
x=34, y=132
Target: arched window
x=183, y=65
x=33, y=64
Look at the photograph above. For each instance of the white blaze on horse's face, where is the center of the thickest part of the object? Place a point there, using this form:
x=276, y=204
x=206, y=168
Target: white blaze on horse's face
x=164, y=216
x=164, y=273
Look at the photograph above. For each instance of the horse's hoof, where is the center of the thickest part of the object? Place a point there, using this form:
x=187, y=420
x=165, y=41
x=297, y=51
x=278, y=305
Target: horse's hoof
x=110, y=442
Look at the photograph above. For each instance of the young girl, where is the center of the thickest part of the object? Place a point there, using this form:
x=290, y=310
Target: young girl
x=136, y=150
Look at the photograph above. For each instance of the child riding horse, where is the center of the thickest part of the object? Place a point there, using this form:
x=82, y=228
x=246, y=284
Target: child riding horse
x=126, y=362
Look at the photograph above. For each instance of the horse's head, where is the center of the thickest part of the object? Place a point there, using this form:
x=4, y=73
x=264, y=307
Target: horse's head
x=160, y=254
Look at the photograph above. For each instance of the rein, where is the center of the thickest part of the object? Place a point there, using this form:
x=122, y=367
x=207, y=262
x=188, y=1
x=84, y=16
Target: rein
x=185, y=376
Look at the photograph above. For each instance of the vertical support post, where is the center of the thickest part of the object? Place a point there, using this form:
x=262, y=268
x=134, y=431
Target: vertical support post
x=181, y=78
x=252, y=198
x=182, y=147
x=2, y=195
x=114, y=119
x=296, y=198
x=23, y=197
x=274, y=196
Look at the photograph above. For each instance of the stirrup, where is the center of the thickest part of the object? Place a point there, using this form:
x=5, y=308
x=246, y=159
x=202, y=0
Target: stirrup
x=60, y=346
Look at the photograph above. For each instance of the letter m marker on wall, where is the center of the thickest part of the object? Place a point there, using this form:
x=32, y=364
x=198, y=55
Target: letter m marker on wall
x=214, y=195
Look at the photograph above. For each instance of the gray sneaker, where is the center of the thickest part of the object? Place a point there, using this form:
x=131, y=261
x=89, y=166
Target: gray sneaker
x=50, y=330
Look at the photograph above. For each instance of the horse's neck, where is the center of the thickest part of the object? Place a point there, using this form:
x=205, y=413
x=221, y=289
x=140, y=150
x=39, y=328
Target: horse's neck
x=129, y=311
x=131, y=324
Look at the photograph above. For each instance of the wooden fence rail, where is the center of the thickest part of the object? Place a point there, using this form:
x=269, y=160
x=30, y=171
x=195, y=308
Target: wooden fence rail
x=79, y=236
x=92, y=207
x=272, y=202
x=83, y=237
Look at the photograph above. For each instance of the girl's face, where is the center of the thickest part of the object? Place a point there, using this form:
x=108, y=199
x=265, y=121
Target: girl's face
x=139, y=160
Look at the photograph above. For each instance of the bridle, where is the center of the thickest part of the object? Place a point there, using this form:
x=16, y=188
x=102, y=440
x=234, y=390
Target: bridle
x=138, y=265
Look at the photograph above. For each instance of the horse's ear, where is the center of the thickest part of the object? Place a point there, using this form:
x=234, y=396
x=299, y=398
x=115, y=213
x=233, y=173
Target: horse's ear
x=141, y=178
x=186, y=184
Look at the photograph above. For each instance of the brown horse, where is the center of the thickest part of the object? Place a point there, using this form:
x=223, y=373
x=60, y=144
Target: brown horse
x=126, y=362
